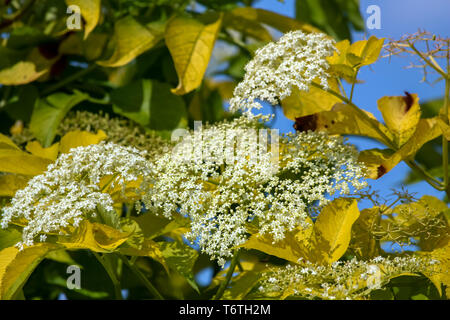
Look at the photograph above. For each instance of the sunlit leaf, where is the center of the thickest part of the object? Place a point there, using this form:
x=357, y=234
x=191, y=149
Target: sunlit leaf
x=80, y=139
x=21, y=73
x=19, y=162
x=401, y=114
x=293, y=247
x=190, y=42
x=90, y=10
x=301, y=103
x=16, y=266
x=10, y=183
x=35, y=148
x=343, y=120
x=332, y=231
x=129, y=47
x=94, y=236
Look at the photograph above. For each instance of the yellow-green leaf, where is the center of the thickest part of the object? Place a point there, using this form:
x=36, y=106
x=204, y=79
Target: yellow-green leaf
x=363, y=242
x=7, y=143
x=401, y=114
x=22, y=72
x=291, y=248
x=90, y=10
x=332, y=231
x=343, y=120
x=16, y=266
x=10, y=183
x=367, y=50
x=275, y=20
x=380, y=162
x=16, y=161
x=190, y=42
x=79, y=138
x=35, y=148
x=131, y=40
x=94, y=236
x=439, y=274
x=301, y=103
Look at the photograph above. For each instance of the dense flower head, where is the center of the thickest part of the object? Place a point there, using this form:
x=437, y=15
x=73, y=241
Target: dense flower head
x=70, y=189
x=296, y=60
x=353, y=279
x=269, y=183
x=119, y=131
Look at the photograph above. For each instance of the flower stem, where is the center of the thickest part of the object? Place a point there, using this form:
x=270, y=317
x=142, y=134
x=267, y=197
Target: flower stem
x=111, y=274
x=224, y=284
x=150, y=287
x=69, y=79
x=444, y=138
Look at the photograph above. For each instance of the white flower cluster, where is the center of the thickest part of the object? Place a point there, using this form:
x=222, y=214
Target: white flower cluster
x=69, y=191
x=296, y=60
x=354, y=279
x=223, y=197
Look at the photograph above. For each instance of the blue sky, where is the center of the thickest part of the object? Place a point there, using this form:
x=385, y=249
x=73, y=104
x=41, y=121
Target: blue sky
x=388, y=78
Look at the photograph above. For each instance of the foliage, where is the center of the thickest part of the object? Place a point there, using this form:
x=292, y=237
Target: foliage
x=137, y=71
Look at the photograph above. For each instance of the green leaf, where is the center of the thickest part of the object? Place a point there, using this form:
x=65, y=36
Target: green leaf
x=128, y=47
x=275, y=20
x=151, y=104
x=49, y=112
x=191, y=42
x=336, y=17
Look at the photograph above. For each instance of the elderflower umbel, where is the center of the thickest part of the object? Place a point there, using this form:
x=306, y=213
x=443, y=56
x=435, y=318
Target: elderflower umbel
x=69, y=190
x=222, y=197
x=353, y=279
x=296, y=60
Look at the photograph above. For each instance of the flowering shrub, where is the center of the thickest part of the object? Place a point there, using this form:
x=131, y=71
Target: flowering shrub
x=129, y=181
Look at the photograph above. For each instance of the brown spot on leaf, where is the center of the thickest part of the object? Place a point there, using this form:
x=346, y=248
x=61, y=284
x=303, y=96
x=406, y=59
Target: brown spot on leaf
x=409, y=100
x=306, y=123
x=381, y=171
